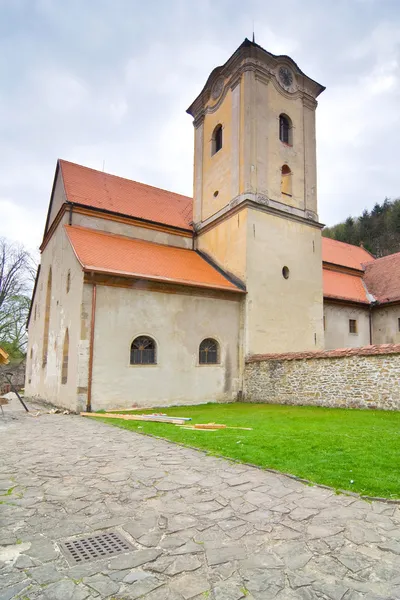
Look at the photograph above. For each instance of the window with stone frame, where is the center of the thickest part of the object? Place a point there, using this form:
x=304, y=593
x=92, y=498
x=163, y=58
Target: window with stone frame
x=143, y=351
x=285, y=129
x=209, y=353
x=353, y=326
x=216, y=141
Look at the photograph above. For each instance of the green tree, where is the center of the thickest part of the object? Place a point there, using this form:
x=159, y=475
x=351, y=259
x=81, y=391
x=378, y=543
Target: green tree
x=16, y=274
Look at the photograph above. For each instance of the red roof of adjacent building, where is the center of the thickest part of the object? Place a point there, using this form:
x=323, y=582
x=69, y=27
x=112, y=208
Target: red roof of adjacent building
x=118, y=255
x=108, y=192
x=382, y=278
x=344, y=286
x=346, y=255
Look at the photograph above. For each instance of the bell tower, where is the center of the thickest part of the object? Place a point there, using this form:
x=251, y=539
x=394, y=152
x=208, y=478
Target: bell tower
x=255, y=194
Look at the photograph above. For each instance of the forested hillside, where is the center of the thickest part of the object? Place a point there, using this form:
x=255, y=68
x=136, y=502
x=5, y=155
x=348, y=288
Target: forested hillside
x=378, y=231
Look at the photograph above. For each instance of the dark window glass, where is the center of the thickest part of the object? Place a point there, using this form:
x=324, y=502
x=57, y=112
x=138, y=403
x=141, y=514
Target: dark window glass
x=217, y=139
x=143, y=351
x=352, y=326
x=284, y=129
x=209, y=352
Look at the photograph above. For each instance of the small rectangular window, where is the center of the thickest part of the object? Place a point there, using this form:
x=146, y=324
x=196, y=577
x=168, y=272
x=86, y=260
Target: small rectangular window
x=352, y=326
x=324, y=323
x=398, y=323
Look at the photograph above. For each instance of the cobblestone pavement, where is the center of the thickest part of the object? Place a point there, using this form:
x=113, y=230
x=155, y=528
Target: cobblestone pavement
x=201, y=527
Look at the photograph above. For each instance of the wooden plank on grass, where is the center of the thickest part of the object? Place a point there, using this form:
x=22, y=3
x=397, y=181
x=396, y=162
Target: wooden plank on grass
x=148, y=418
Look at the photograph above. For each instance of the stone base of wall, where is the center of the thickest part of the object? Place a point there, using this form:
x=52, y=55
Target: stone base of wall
x=366, y=377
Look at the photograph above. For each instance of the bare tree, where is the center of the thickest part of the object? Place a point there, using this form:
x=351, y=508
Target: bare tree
x=16, y=272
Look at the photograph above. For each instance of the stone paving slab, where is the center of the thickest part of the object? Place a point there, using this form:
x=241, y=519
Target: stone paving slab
x=201, y=527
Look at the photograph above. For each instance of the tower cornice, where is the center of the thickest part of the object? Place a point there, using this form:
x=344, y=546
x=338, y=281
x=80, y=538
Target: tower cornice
x=252, y=57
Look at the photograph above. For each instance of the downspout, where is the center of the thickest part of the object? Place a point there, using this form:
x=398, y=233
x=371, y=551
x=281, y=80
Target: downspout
x=91, y=347
x=372, y=303
x=371, y=306
x=370, y=325
x=70, y=214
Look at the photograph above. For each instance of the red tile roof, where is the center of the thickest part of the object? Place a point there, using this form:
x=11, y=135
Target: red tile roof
x=382, y=278
x=118, y=255
x=344, y=286
x=346, y=255
x=108, y=192
x=338, y=353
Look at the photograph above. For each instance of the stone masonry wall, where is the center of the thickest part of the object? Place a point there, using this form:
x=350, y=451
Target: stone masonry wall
x=366, y=377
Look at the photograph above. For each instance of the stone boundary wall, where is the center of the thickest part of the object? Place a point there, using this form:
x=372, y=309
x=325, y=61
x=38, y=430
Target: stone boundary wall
x=367, y=377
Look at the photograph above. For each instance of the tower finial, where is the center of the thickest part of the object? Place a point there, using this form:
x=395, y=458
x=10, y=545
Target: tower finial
x=254, y=37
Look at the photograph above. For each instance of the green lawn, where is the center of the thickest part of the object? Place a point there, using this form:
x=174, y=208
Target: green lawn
x=355, y=450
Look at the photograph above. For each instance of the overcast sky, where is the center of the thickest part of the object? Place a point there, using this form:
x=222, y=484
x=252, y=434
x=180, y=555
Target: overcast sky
x=96, y=81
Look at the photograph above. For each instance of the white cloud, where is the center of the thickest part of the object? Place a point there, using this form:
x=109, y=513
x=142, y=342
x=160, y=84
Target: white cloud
x=19, y=224
x=111, y=82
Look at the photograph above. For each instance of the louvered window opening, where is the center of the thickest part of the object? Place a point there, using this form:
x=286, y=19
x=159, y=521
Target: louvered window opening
x=284, y=130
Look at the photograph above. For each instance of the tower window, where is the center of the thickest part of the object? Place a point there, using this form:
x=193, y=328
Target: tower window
x=143, y=351
x=216, y=142
x=209, y=352
x=68, y=281
x=286, y=180
x=285, y=129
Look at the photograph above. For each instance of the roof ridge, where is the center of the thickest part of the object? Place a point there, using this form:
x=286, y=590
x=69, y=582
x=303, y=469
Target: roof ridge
x=62, y=160
x=383, y=257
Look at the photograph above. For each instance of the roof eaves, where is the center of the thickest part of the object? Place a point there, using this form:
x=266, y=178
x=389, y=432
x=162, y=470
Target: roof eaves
x=33, y=296
x=93, y=269
x=333, y=266
x=133, y=218
x=346, y=299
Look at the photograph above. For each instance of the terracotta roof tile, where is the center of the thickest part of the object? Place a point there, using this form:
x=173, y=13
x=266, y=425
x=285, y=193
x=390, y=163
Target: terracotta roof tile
x=346, y=255
x=108, y=192
x=109, y=253
x=382, y=278
x=344, y=286
x=338, y=353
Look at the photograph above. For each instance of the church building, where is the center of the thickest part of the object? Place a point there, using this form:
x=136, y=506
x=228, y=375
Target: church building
x=146, y=297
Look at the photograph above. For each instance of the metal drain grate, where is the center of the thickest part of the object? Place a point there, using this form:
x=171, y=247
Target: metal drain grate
x=96, y=546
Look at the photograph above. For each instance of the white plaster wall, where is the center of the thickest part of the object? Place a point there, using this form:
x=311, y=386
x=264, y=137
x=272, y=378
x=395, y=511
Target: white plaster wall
x=133, y=231
x=178, y=323
x=283, y=315
x=45, y=382
x=337, y=326
x=385, y=325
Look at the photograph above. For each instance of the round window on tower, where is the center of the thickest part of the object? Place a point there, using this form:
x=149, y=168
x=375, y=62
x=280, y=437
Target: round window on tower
x=285, y=272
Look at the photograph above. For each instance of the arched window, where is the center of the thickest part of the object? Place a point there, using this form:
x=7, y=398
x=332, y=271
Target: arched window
x=47, y=320
x=209, y=352
x=285, y=129
x=143, y=351
x=68, y=281
x=216, y=142
x=64, y=367
x=286, y=181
